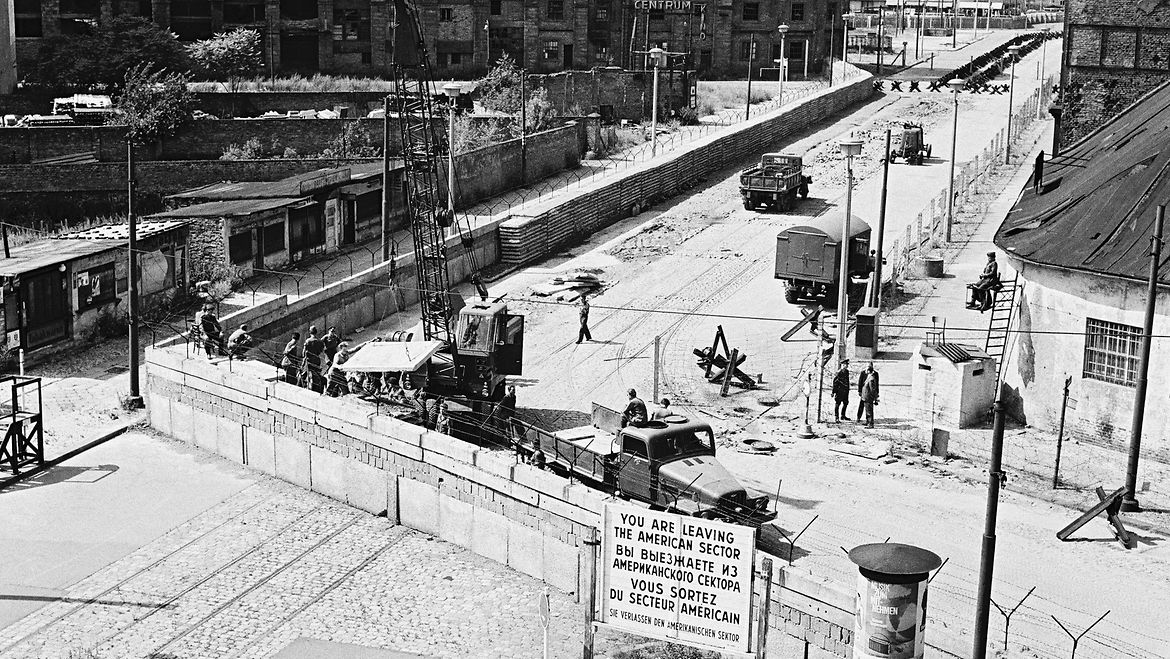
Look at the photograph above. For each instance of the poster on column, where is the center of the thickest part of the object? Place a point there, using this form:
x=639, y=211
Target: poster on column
x=682, y=579
x=890, y=620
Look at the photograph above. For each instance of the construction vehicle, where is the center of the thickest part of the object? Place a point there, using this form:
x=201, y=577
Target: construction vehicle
x=490, y=341
x=909, y=145
x=808, y=256
x=774, y=183
x=669, y=463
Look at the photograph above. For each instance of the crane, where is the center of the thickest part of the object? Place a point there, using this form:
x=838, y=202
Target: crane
x=481, y=342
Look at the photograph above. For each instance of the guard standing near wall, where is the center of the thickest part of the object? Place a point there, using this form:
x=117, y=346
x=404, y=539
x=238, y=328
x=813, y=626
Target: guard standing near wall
x=290, y=359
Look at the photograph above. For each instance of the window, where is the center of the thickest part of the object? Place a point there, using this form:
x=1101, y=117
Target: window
x=298, y=10
x=306, y=228
x=776, y=54
x=497, y=7
x=446, y=14
x=198, y=8
x=28, y=18
x=556, y=10
x=657, y=14
x=796, y=49
x=602, y=14
x=552, y=50
x=747, y=51
x=95, y=286
x=1111, y=351
x=456, y=58
x=798, y=11
x=751, y=11
x=240, y=247
x=273, y=238
x=243, y=12
x=634, y=446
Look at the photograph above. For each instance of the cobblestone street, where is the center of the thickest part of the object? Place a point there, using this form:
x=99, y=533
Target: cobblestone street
x=264, y=566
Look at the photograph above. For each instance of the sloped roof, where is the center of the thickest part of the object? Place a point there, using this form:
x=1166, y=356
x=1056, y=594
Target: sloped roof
x=286, y=187
x=143, y=229
x=1101, y=215
x=230, y=208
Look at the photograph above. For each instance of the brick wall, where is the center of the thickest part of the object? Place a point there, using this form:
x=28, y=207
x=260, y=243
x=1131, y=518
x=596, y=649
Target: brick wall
x=486, y=172
x=629, y=92
x=1114, y=53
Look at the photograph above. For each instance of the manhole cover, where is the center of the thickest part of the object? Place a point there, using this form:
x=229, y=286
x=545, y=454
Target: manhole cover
x=759, y=445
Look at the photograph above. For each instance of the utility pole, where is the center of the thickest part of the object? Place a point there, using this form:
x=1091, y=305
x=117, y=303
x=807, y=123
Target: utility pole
x=751, y=58
x=995, y=478
x=523, y=129
x=881, y=42
x=1129, y=502
x=877, y=266
x=135, y=399
x=386, y=178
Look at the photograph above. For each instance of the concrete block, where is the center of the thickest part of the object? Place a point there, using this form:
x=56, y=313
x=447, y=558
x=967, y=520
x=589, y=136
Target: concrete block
x=205, y=430
x=392, y=498
x=366, y=487
x=229, y=439
x=586, y=498
x=525, y=550
x=400, y=431
x=258, y=450
x=455, y=521
x=278, y=405
x=489, y=535
x=182, y=422
x=495, y=463
x=449, y=446
x=418, y=506
x=247, y=384
x=560, y=508
x=158, y=408
x=170, y=358
x=292, y=462
x=329, y=473
x=561, y=565
x=545, y=482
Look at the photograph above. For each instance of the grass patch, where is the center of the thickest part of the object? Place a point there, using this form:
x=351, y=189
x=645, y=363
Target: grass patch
x=716, y=95
x=299, y=83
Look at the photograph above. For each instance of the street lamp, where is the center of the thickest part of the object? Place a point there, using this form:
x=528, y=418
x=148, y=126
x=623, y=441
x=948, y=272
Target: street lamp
x=844, y=41
x=1043, y=55
x=955, y=84
x=658, y=59
x=783, y=30
x=1014, y=52
x=452, y=90
x=849, y=147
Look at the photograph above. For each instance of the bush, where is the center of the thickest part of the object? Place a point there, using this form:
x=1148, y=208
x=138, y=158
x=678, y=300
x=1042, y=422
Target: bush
x=153, y=104
x=103, y=57
x=110, y=323
x=228, y=56
x=688, y=116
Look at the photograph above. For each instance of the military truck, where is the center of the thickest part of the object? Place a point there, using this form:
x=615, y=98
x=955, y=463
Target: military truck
x=669, y=464
x=808, y=256
x=909, y=145
x=774, y=183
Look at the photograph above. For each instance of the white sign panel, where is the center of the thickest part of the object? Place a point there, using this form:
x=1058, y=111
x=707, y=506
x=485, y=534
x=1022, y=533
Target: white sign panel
x=683, y=579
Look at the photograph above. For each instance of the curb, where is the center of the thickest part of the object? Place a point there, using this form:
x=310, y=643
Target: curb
x=69, y=455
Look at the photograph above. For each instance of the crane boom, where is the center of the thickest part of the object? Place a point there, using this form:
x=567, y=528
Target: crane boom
x=424, y=147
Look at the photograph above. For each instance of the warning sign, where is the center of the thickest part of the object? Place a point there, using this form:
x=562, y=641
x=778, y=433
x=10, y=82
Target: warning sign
x=679, y=578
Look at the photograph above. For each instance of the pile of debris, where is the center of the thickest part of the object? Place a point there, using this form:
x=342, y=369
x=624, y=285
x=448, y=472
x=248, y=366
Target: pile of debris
x=569, y=287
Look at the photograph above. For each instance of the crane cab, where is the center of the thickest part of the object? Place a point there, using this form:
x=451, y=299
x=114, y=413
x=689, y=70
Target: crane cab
x=489, y=344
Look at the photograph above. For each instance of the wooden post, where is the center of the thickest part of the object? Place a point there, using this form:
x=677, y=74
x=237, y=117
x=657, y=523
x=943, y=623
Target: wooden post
x=764, y=608
x=591, y=569
x=731, y=366
x=1060, y=435
x=751, y=58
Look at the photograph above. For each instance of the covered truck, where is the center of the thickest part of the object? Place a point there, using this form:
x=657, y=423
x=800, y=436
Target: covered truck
x=808, y=256
x=774, y=183
x=669, y=464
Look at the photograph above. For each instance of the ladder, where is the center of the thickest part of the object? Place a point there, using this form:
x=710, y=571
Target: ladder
x=1000, y=322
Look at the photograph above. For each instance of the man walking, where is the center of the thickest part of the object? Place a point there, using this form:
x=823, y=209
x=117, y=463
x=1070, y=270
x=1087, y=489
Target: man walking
x=584, y=334
x=869, y=394
x=635, y=413
x=841, y=386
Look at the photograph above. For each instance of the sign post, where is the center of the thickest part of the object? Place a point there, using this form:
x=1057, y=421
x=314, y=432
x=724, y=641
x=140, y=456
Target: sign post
x=681, y=579
x=545, y=615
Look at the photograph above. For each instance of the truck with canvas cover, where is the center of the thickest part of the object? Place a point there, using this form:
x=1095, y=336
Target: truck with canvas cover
x=669, y=464
x=808, y=256
x=774, y=183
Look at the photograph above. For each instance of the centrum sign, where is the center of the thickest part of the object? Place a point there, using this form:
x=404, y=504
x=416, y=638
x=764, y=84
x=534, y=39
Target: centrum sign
x=682, y=579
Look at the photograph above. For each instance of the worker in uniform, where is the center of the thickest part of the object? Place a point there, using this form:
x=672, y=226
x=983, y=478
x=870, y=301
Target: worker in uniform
x=635, y=413
x=841, y=386
x=290, y=359
x=982, y=294
x=869, y=394
x=583, y=334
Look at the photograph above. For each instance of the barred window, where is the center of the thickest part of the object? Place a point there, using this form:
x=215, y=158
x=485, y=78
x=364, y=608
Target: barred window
x=1111, y=351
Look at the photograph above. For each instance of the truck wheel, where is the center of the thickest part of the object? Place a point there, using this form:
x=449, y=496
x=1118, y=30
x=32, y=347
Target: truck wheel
x=747, y=205
x=791, y=295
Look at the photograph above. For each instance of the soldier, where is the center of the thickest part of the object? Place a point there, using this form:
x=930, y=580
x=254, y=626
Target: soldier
x=583, y=334
x=841, y=386
x=290, y=359
x=635, y=413
x=331, y=341
x=212, y=331
x=311, y=367
x=869, y=394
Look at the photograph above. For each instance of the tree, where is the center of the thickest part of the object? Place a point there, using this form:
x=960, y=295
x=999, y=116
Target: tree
x=153, y=103
x=228, y=56
x=103, y=57
x=500, y=91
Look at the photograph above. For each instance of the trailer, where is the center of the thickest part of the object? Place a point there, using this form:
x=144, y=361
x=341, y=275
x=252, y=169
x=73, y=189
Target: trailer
x=669, y=464
x=808, y=256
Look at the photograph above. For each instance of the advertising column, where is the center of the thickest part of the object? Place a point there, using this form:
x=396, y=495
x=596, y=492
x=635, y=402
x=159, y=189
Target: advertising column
x=890, y=620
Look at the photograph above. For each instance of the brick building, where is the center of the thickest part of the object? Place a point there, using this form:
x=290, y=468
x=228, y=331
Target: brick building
x=1113, y=54
x=353, y=36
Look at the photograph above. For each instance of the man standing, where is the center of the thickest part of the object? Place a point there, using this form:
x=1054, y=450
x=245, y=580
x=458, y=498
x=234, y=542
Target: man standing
x=869, y=394
x=841, y=385
x=860, y=386
x=331, y=341
x=584, y=334
x=290, y=359
x=311, y=375
x=635, y=414
x=506, y=411
x=212, y=331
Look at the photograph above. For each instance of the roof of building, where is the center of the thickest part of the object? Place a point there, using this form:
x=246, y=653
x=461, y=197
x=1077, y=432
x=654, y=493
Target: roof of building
x=230, y=208
x=1098, y=213
x=50, y=252
x=143, y=229
x=288, y=187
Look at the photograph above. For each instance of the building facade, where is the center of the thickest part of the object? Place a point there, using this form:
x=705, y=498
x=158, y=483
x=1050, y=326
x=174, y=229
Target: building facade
x=354, y=36
x=1113, y=54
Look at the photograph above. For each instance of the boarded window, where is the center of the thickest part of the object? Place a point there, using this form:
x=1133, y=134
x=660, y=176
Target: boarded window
x=95, y=286
x=306, y=228
x=1111, y=351
x=273, y=238
x=240, y=247
x=751, y=11
x=798, y=11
